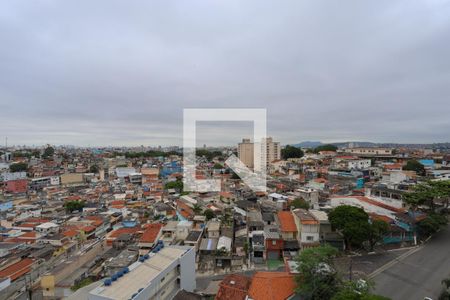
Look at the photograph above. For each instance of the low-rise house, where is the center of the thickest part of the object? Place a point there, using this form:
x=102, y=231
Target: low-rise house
x=308, y=228
x=57, y=240
x=273, y=242
x=17, y=269
x=183, y=229
x=271, y=285
x=150, y=236
x=193, y=239
x=6, y=248
x=213, y=228
x=208, y=246
x=369, y=205
x=169, y=232
x=233, y=287
x=254, y=220
x=224, y=243
x=257, y=247
x=310, y=195
x=47, y=228
x=288, y=228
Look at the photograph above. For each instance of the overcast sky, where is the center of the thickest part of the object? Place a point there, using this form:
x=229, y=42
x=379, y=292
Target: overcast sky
x=121, y=72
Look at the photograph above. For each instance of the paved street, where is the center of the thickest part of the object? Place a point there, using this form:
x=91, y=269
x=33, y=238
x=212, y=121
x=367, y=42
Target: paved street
x=418, y=275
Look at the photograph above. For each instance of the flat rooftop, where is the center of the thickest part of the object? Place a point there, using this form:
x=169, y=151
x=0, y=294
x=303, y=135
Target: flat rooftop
x=140, y=275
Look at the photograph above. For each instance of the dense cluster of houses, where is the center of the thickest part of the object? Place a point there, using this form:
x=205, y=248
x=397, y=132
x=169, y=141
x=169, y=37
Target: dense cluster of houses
x=133, y=204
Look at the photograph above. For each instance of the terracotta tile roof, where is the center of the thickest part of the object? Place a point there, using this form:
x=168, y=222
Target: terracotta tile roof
x=37, y=220
x=272, y=286
x=115, y=233
x=151, y=232
x=28, y=225
x=226, y=194
x=320, y=180
x=346, y=157
x=233, y=287
x=393, y=166
x=184, y=209
x=70, y=233
x=386, y=219
x=287, y=223
x=117, y=202
x=96, y=220
x=16, y=270
x=28, y=235
x=88, y=228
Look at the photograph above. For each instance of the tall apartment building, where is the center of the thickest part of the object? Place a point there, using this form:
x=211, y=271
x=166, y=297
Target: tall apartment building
x=271, y=149
x=157, y=276
x=245, y=153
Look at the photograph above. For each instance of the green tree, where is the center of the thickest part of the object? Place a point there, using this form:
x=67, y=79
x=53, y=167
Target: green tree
x=235, y=176
x=71, y=206
x=48, y=152
x=218, y=166
x=18, y=167
x=431, y=224
x=352, y=222
x=445, y=293
x=177, y=185
x=209, y=155
x=317, y=278
x=94, y=169
x=414, y=165
x=428, y=193
x=377, y=230
x=291, y=152
x=356, y=290
x=197, y=209
x=300, y=203
x=327, y=147
x=209, y=214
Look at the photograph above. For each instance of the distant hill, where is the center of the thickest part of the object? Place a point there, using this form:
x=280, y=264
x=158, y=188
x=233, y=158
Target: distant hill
x=313, y=144
x=308, y=144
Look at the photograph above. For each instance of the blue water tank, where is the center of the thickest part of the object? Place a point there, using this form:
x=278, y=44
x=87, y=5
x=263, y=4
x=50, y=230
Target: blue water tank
x=125, y=270
x=107, y=282
x=119, y=274
x=114, y=277
x=141, y=259
x=146, y=256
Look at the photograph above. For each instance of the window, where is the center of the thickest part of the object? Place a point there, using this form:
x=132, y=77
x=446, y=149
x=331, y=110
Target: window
x=162, y=279
x=309, y=238
x=274, y=242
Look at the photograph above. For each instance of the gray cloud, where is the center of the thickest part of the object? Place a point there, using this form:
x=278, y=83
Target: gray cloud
x=116, y=72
